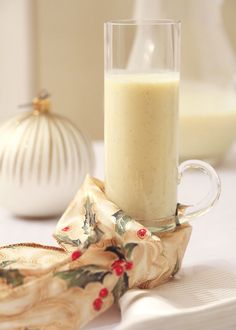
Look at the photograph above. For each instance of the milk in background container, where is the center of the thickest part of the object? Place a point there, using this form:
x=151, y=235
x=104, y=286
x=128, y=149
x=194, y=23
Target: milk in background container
x=207, y=121
x=208, y=73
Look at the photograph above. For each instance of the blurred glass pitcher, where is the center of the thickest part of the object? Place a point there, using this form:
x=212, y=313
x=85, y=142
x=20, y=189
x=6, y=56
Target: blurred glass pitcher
x=208, y=72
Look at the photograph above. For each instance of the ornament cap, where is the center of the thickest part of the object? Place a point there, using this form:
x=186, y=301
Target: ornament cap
x=42, y=103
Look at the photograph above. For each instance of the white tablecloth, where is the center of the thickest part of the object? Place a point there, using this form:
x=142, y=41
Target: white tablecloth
x=213, y=240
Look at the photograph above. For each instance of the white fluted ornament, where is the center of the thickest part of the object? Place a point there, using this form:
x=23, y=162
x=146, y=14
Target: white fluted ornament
x=43, y=161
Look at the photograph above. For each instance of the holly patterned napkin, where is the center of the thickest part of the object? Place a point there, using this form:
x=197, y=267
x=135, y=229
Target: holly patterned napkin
x=103, y=253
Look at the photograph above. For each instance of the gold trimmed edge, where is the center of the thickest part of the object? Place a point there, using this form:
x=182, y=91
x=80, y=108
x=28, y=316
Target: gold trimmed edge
x=33, y=245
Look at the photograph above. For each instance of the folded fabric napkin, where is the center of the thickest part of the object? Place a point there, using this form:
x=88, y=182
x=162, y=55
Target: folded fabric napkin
x=200, y=297
x=103, y=253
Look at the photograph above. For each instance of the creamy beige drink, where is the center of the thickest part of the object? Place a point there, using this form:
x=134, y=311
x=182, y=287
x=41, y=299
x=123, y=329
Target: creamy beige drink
x=207, y=120
x=141, y=114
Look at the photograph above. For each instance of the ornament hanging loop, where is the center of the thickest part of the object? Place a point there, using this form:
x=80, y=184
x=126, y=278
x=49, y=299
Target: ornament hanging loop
x=41, y=103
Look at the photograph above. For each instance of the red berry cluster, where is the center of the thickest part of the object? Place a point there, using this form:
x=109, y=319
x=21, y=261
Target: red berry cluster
x=75, y=255
x=142, y=233
x=97, y=303
x=66, y=228
x=119, y=266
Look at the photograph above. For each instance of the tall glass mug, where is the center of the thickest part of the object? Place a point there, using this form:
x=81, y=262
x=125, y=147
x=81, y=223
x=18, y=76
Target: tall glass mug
x=141, y=124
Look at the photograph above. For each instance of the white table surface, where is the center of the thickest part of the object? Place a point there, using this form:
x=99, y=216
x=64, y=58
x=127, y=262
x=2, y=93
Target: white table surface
x=213, y=238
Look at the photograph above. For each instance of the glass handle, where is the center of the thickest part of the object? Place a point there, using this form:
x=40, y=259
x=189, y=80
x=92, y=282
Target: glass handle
x=188, y=212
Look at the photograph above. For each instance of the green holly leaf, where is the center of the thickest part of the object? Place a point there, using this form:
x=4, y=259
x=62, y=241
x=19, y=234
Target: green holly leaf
x=90, y=226
x=98, y=233
x=67, y=240
x=129, y=249
x=12, y=276
x=89, y=220
x=94, y=237
x=121, y=287
x=121, y=221
x=6, y=263
x=80, y=277
x=116, y=250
